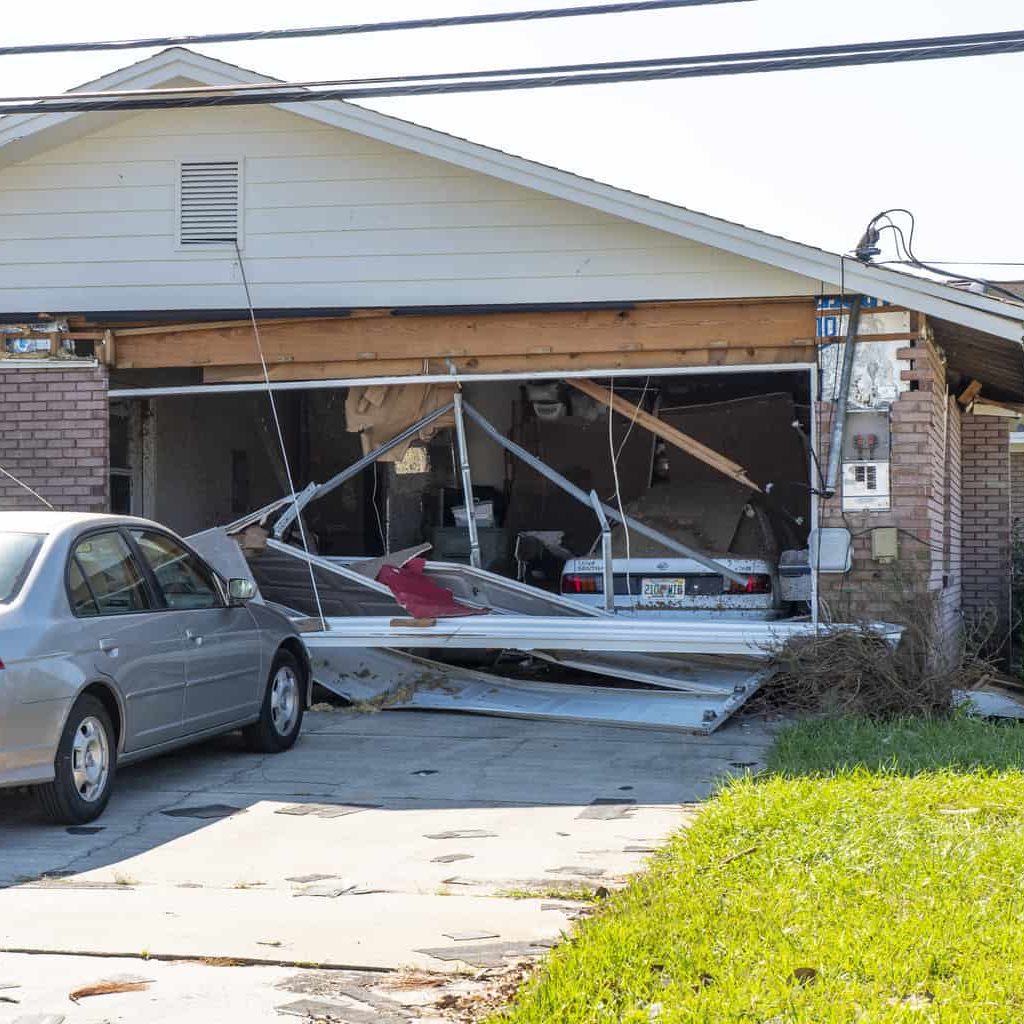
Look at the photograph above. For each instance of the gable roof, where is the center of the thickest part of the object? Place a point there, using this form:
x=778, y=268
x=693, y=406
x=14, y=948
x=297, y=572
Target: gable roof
x=22, y=135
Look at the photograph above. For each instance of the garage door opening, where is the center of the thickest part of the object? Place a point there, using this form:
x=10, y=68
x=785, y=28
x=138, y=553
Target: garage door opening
x=598, y=534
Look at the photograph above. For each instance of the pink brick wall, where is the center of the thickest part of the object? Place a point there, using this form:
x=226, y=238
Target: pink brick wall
x=55, y=437
x=986, y=517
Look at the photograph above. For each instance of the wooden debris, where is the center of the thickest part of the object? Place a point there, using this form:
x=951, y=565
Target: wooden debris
x=108, y=988
x=668, y=433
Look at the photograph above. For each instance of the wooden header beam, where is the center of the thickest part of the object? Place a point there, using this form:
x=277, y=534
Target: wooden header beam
x=668, y=328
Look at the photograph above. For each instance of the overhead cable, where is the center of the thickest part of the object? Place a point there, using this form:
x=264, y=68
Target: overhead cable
x=453, y=21
x=926, y=42
x=680, y=68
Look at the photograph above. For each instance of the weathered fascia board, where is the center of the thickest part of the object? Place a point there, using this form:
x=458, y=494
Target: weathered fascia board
x=644, y=327
x=539, y=633
x=575, y=363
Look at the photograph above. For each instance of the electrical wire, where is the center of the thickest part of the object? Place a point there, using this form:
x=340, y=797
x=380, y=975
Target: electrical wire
x=633, y=419
x=657, y=62
x=907, y=245
x=677, y=68
x=376, y=512
x=618, y=499
x=453, y=21
x=280, y=438
x=21, y=483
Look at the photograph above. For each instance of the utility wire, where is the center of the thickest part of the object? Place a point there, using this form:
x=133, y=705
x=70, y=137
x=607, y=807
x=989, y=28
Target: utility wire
x=493, y=81
x=906, y=244
x=453, y=21
x=891, y=45
x=280, y=437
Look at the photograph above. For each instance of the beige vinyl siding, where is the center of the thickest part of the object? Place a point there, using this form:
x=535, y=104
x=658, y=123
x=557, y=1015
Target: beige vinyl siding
x=331, y=218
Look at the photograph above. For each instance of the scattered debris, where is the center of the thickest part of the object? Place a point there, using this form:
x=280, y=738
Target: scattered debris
x=603, y=809
x=329, y=890
x=334, y=1013
x=325, y=810
x=582, y=872
x=40, y=1018
x=112, y=986
x=469, y=833
x=424, y=772
x=210, y=811
x=804, y=976
x=84, y=830
x=304, y=879
x=492, y=954
x=451, y=858
x=470, y=936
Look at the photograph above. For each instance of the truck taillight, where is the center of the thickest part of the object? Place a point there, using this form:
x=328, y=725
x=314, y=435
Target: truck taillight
x=755, y=585
x=582, y=583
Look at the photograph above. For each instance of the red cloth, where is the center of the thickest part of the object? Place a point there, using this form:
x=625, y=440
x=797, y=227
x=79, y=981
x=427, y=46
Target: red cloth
x=420, y=595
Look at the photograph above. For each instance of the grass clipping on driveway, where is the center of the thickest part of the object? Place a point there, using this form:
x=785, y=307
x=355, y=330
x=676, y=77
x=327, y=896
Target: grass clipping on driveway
x=877, y=874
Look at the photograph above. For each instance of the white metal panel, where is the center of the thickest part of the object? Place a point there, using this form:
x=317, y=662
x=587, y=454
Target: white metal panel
x=705, y=635
x=401, y=680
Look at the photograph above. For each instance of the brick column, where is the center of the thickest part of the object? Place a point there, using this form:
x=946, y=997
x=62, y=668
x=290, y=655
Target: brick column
x=985, y=452
x=920, y=479
x=55, y=436
x=1016, y=485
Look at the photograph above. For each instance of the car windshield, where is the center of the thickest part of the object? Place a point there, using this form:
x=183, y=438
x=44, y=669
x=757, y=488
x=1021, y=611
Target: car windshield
x=17, y=553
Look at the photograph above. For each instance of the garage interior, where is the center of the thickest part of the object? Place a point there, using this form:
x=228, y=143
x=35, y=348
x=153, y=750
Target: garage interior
x=201, y=462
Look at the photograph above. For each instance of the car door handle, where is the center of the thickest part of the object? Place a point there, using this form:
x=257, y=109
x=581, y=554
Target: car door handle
x=191, y=634
x=109, y=647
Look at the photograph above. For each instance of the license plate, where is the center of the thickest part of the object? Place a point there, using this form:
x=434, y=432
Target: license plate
x=670, y=590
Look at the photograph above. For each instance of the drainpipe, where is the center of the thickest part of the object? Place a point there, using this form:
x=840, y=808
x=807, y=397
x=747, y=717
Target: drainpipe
x=835, y=448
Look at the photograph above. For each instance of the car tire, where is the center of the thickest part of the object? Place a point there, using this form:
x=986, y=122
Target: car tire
x=84, y=767
x=283, y=705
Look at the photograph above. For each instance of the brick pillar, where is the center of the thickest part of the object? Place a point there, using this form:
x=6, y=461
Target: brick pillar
x=55, y=436
x=920, y=479
x=1016, y=485
x=985, y=452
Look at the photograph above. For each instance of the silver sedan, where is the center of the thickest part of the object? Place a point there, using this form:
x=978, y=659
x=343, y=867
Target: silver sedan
x=118, y=642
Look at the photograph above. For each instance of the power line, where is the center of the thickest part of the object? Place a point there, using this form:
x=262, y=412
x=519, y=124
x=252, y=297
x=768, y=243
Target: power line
x=677, y=68
x=891, y=45
x=365, y=29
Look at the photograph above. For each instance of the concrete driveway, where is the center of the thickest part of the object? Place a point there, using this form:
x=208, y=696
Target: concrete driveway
x=436, y=843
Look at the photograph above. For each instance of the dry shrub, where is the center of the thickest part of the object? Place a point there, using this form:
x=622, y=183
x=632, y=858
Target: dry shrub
x=852, y=670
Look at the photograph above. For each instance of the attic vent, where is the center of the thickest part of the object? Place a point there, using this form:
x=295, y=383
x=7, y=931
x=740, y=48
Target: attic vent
x=208, y=202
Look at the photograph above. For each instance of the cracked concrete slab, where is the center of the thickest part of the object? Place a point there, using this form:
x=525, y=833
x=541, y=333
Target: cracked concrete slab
x=224, y=886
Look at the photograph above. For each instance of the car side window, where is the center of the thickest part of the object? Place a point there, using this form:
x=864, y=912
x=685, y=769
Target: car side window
x=104, y=578
x=184, y=580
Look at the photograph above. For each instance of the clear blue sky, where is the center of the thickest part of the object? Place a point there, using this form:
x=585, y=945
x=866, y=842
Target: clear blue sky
x=811, y=155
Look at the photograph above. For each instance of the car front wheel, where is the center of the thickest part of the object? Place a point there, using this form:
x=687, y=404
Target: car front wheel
x=84, y=767
x=283, y=705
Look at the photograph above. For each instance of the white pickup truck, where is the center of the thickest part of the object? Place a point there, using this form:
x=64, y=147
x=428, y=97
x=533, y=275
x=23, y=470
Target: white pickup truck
x=676, y=586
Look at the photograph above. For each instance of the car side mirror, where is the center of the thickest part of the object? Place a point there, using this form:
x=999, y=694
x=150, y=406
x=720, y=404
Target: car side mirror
x=241, y=590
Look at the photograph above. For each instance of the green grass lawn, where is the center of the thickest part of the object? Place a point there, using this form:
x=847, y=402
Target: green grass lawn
x=875, y=873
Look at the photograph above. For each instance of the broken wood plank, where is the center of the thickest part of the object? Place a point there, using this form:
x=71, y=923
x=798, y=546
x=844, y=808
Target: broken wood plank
x=574, y=362
x=648, y=421
x=969, y=393
x=665, y=327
